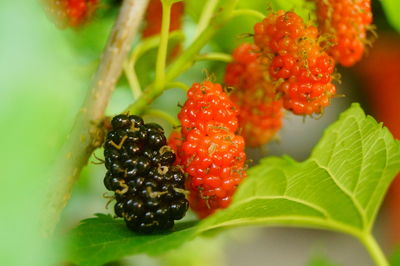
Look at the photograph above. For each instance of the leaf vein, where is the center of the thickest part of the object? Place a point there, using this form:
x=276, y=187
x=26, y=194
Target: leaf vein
x=357, y=205
x=303, y=202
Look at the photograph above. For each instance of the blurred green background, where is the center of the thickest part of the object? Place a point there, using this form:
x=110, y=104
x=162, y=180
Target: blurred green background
x=44, y=75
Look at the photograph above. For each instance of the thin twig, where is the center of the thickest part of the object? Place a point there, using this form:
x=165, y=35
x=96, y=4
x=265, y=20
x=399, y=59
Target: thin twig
x=227, y=58
x=163, y=115
x=87, y=132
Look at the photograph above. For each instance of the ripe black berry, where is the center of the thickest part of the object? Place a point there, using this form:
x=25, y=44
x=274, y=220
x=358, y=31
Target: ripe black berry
x=149, y=190
x=137, y=121
x=120, y=122
x=119, y=209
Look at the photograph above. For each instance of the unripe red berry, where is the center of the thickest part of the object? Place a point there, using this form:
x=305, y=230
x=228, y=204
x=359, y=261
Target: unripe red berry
x=299, y=64
x=260, y=115
x=346, y=24
x=211, y=153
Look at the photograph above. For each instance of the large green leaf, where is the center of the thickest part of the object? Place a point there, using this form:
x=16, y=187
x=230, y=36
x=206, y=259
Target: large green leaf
x=392, y=9
x=340, y=188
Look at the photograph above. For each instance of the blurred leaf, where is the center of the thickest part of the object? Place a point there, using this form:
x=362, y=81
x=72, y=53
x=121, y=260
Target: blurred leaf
x=194, y=8
x=395, y=257
x=40, y=94
x=212, y=253
x=303, y=8
x=392, y=9
x=340, y=188
x=89, y=41
x=321, y=259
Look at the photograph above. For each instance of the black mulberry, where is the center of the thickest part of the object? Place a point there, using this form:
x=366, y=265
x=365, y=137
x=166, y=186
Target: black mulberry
x=149, y=190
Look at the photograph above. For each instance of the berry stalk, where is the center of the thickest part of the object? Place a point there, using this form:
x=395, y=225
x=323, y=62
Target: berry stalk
x=206, y=15
x=87, y=134
x=163, y=48
x=222, y=57
x=144, y=46
x=186, y=58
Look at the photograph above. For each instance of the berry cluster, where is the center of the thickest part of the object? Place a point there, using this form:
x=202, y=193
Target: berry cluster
x=149, y=190
x=260, y=115
x=347, y=23
x=70, y=13
x=299, y=63
x=211, y=153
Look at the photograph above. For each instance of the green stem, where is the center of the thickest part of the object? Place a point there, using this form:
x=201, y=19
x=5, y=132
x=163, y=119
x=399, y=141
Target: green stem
x=215, y=57
x=374, y=250
x=181, y=63
x=248, y=12
x=133, y=81
x=163, y=48
x=163, y=115
x=140, y=49
x=206, y=15
x=191, y=52
x=188, y=56
x=177, y=84
x=151, y=43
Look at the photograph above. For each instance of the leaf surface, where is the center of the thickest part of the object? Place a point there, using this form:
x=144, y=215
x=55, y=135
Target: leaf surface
x=392, y=9
x=102, y=239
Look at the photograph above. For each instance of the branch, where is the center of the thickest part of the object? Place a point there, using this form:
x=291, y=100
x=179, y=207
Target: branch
x=87, y=133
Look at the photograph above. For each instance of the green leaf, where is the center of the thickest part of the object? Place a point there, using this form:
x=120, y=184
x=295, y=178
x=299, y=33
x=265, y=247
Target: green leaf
x=340, y=188
x=321, y=260
x=395, y=257
x=392, y=9
x=103, y=239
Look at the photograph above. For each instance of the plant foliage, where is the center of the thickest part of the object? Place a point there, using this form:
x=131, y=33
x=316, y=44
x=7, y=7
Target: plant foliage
x=340, y=188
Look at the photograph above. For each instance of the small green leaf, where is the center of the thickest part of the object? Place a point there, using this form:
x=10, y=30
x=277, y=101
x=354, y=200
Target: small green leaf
x=340, y=188
x=392, y=9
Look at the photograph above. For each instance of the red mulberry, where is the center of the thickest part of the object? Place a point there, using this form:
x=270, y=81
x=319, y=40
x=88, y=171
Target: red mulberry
x=347, y=22
x=260, y=115
x=299, y=63
x=71, y=13
x=211, y=153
